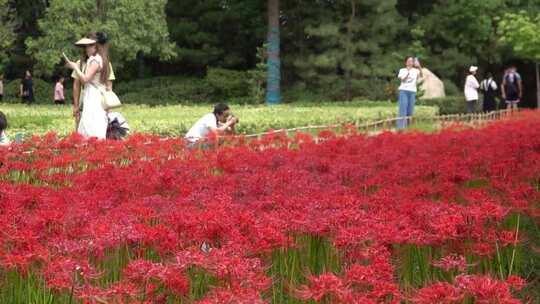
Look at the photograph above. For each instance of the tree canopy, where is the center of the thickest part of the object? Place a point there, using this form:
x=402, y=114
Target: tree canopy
x=133, y=26
x=340, y=48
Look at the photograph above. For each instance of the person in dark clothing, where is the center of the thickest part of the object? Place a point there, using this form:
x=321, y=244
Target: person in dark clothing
x=489, y=88
x=26, y=88
x=512, y=88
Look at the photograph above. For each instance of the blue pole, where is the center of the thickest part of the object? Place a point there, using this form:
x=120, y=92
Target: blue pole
x=273, y=84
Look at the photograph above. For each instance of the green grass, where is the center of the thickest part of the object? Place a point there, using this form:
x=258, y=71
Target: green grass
x=175, y=120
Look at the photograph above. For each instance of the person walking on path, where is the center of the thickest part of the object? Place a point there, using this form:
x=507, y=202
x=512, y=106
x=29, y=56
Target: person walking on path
x=59, y=92
x=489, y=88
x=512, y=88
x=408, y=76
x=26, y=89
x=93, y=122
x=78, y=88
x=471, y=89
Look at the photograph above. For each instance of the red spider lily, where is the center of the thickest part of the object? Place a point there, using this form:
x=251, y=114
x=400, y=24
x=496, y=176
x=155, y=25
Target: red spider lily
x=148, y=205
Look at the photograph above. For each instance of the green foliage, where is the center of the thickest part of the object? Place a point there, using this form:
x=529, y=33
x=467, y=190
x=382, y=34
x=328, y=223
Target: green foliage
x=134, y=27
x=164, y=90
x=257, y=77
x=447, y=105
x=228, y=83
x=450, y=88
x=7, y=34
x=215, y=32
x=348, y=42
x=520, y=32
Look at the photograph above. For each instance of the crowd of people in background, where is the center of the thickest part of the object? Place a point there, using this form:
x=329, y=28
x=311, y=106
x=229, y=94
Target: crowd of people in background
x=511, y=90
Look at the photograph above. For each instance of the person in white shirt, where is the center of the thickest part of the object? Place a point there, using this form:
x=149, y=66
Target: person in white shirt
x=4, y=140
x=218, y=122
x=471, y=89
x=408, y=76
x=489, y=88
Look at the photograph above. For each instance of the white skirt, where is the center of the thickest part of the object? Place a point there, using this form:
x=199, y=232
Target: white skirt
x=94, y=118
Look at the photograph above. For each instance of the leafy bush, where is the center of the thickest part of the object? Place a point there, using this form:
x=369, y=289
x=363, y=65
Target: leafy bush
x=447, y=105
x=450, y=88
x=164, y=90
x=228, y=83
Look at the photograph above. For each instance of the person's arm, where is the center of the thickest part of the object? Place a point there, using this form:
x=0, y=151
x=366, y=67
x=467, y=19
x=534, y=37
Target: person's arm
x=520, y=86
x=494, y=85
x=475, y=83
x=403, y=74
x=109, y=85
x=21, y=90
x=91, y=71
x=221, y=129
x=76, y=97
x=419, y=67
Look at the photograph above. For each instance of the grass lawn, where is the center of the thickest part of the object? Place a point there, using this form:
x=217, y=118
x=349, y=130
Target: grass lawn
x=175, y=120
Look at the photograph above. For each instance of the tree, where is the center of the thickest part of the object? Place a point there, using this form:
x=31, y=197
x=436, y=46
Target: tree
x=134, y=27
x=520, y=32
x=460, y=33
x=350, y=45
x=273, y=84
x=222, y=33
x=7, y=32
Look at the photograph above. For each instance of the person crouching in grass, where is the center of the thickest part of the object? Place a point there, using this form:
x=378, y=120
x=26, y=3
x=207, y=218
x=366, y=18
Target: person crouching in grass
x=4, y=140
x=219, y=122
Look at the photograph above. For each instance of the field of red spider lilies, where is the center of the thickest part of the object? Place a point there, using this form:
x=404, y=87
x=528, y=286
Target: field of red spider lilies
x=451, y=217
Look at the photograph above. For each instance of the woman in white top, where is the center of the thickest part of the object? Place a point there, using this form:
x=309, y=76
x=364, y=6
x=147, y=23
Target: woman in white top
x=471, y=89
x=409, y=76
x=94, y=120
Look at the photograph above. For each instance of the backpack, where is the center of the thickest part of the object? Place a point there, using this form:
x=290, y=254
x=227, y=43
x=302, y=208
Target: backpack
x=511, y=87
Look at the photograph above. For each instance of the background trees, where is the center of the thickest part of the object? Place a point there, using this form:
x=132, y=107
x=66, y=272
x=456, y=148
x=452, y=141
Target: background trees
x=136, y=28
x=340, y=49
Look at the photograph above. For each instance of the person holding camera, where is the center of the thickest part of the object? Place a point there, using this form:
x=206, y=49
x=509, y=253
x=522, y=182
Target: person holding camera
x=219, y=122
x=409, y=76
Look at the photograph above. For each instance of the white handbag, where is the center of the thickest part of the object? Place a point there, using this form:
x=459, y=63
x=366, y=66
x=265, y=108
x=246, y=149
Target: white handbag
x=110, y=100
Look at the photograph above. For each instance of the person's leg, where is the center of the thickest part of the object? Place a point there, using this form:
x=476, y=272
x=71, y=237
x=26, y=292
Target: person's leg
x=402, y=101
x=469, y=106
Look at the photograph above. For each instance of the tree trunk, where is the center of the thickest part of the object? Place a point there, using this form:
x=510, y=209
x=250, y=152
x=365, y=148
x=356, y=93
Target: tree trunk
x=273, y=85
x=101, y=9
x=349, y=60
x=537, y=86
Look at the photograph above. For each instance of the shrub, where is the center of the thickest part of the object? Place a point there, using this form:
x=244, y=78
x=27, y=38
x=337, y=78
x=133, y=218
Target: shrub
x=164, y=90
x=228, y=83
x=450, y=88
x=447, y=105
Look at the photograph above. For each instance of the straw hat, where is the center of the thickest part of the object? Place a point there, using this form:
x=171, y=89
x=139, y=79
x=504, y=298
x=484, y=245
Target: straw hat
x=85, y=42
x=473, y=69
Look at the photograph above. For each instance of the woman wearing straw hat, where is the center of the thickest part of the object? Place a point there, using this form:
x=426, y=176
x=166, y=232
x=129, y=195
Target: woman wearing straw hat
x=78, y=91
x=95, y=78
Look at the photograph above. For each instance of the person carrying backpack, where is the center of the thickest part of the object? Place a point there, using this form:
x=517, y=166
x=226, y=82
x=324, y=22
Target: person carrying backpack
x=512, y=88
x=489, y=87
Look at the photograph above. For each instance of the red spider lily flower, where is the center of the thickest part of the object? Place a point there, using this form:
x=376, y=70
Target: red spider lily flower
x=440, y=293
